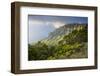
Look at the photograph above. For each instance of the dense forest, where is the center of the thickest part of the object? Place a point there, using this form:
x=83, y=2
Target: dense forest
x=61, y=46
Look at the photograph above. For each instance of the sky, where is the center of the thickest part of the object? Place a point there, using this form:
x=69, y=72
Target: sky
x=39, y=26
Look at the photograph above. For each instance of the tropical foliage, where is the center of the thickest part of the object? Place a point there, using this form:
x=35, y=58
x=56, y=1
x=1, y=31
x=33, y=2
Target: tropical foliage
x=72, y=45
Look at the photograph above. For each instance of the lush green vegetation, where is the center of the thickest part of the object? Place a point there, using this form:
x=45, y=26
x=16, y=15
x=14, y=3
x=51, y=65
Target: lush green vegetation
x=73, y=45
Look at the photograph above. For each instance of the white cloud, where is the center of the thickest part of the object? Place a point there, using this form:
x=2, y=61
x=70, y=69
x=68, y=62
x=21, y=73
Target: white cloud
x=56, y=24
x=35, y=22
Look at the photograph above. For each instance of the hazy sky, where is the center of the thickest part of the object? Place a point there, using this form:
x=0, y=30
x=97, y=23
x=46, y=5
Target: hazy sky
x=40, y=26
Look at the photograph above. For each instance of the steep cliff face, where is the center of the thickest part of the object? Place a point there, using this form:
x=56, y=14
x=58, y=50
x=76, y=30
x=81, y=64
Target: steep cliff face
x=58, y=34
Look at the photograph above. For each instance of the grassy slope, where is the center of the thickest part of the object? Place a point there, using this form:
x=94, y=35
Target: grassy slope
x=53, y=41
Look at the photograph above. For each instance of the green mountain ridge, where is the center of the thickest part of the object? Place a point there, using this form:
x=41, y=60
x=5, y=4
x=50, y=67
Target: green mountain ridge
x=66, y=42
x=58, y=34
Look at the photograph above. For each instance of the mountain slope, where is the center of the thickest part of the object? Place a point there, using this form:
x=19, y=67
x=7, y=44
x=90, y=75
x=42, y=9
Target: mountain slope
x=58, y=34
x=70, y=44
x=73, y=45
